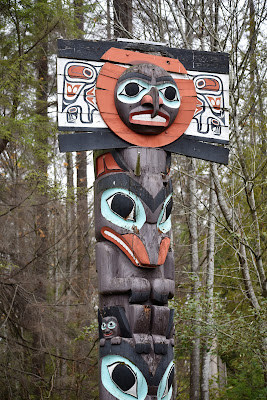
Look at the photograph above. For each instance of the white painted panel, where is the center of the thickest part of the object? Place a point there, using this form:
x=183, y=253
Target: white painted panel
x=77, y=107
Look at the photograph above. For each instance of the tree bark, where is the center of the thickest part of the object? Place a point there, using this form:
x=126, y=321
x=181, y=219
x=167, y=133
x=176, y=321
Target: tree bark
x=206, y=355
x=195, y=293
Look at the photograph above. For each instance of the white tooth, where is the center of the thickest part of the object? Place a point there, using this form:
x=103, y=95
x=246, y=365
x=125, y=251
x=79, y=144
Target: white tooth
x=122, y=244
x=147, y=117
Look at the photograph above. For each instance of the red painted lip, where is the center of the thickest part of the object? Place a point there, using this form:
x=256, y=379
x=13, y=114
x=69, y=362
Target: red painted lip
x=108, y=334
x=150, y=121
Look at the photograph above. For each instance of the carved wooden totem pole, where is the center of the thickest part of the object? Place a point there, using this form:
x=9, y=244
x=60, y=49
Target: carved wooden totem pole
x=137, y=106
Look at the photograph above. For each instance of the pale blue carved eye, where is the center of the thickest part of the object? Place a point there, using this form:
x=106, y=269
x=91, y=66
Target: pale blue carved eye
x=111, y=325
x=169, y=94
x=122, y=378
x=123, y=208
x=103, y=326
x=132, y=90
x=164, y=220
x=165, y=386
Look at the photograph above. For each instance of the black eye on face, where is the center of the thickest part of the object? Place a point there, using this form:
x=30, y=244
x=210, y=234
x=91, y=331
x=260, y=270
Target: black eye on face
x=124, y=378
x=170, y=93
x=123, y=206
x=132, y=89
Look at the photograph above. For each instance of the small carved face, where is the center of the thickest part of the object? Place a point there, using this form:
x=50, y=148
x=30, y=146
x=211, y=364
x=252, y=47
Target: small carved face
x=110, y=327
x=147, y=99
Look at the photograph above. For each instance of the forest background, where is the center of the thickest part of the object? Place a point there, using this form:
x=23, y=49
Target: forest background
x=48, y=294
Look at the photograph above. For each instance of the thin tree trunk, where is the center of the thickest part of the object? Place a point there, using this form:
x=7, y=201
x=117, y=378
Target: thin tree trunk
x=195, y=293
x=123, y=18
x=206, y=355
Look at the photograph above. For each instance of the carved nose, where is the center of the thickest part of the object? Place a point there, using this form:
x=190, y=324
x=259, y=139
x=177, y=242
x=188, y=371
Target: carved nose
x=153, y=98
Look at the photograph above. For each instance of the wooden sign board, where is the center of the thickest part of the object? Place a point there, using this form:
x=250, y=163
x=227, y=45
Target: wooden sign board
x=87, y=74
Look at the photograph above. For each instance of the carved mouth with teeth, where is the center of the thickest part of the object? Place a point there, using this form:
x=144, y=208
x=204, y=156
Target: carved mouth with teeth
x=145, y=118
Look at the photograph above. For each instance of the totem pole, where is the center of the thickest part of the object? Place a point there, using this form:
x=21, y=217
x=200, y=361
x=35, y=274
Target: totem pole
x=137, y=106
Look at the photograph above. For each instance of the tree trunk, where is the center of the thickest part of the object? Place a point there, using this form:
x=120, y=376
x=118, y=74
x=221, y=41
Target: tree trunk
x=122, y=18
x=195, y=293
x=206, y=355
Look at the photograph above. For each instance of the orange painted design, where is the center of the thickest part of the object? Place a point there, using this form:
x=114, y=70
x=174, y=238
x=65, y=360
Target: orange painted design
x=105, y=164
x=215, y=102
x=163, y=250
x=78, y=71
x=208, y=84
x=112, y=70
x=72, y=89
x=90, y=96
x=137, y=246
x=119, y=241
x=105, y=87
x=131, y=57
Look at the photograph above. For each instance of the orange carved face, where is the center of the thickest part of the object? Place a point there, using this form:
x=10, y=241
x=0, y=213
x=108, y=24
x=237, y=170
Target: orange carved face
x=144, y=104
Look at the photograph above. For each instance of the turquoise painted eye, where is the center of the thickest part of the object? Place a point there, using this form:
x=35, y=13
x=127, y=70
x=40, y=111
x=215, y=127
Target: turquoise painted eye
x=164, y=220
x=111, y=325
x=132, y=90
x=123, y=208
x=165, y=386
x=169, y=94
x=122, y=378
x=103, y=326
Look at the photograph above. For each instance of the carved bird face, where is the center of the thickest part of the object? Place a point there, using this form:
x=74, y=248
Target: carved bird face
x=147, y=99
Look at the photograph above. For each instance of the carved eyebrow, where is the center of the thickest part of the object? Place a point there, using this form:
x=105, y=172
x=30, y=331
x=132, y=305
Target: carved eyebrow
x=134, y=75
x=123, y=181
x=165, y=78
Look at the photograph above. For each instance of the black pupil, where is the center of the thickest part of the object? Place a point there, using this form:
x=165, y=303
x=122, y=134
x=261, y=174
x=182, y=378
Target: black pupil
x=132, y=89
x=123, y=377
x=168, y=209
x=122, y=205
x=170, y=93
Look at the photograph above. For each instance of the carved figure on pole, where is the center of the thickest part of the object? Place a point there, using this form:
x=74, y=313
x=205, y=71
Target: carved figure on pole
x=142, y=104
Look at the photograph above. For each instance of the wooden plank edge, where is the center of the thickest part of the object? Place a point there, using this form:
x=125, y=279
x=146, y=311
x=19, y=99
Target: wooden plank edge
x=82, y=141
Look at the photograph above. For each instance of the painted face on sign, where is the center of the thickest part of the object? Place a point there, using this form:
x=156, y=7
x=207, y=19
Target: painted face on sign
x=110, y=327
x=147, y=99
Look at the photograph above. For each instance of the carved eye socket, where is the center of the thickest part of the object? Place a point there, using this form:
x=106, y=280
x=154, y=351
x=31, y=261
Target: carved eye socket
x=123, y=206
x=164, y=220
x=169, y=382
x=170, y=93
x=167, y=211
x=165, y=386
x=111, y=325
x=103, y=326
x=124, y=378
x=132, y=89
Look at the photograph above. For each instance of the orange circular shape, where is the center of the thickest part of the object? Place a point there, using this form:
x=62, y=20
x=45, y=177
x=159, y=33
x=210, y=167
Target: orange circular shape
x=105, y=88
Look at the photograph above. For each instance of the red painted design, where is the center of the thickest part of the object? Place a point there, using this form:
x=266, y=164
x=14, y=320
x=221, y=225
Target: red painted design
x=78, y=71
x=105, y=164
x=215, y=102
x=208, y=84
x=90, y=96
x=72, y=89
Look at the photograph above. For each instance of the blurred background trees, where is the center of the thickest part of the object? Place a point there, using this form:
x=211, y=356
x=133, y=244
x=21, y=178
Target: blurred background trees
x=48, y=296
